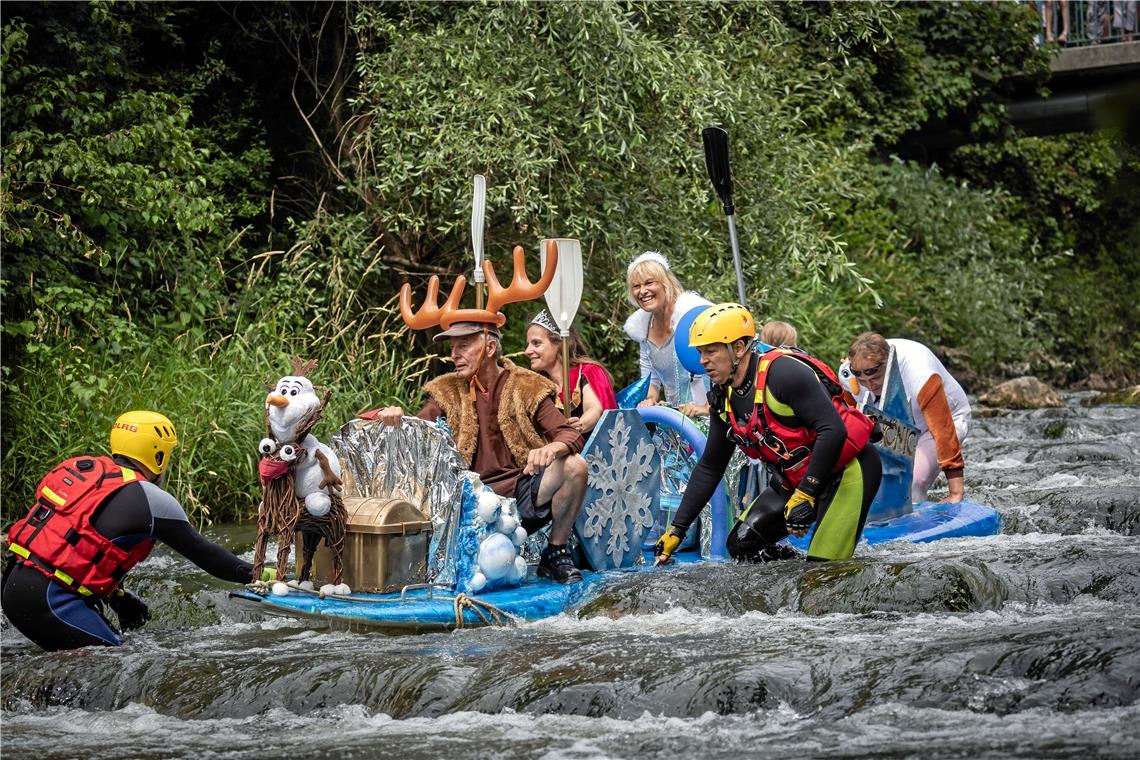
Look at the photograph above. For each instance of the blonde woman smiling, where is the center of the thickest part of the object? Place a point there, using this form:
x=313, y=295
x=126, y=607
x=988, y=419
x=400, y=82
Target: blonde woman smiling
x=661, y=302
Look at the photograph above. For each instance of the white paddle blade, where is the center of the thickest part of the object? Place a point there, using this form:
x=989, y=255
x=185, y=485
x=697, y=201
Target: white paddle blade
x=565, y=291
x=478, y=215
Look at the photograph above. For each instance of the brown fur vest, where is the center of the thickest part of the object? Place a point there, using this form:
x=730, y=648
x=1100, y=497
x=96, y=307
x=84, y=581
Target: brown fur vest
x=523, y=392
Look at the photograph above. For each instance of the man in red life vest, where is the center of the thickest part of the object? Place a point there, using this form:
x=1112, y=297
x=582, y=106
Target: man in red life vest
x=787, y=409
x=94, y=518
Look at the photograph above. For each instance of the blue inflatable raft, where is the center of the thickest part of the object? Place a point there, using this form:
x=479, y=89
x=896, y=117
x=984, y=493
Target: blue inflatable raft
x=618, y=524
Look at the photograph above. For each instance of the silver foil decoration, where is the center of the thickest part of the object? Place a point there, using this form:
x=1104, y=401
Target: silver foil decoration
x=677, y=462
x=417, y=461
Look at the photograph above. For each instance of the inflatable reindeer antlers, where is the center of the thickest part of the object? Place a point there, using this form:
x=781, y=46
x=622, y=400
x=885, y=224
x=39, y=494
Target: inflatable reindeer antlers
x=520, y=288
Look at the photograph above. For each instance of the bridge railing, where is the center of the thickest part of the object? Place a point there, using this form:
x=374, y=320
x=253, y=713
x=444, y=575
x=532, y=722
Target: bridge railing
x=1075, y=23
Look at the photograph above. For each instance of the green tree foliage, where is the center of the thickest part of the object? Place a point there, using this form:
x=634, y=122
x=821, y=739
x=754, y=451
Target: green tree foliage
x=191, y=193
x=1080, y=194
x=116, y=206
x=119, y=214
x=952, y=251
x=586, y=119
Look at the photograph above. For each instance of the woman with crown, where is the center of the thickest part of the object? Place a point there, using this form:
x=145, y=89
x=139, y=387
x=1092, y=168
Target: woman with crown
x=592, y=390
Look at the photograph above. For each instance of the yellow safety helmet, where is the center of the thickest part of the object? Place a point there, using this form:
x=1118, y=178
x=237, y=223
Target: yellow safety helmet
x=723, y=323
x=146, y=437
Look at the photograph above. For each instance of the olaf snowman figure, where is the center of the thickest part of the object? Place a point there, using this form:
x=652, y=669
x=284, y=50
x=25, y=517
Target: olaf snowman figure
x=300, y=477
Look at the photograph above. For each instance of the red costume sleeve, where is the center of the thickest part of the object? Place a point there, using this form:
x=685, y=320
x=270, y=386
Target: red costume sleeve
x=596, y=377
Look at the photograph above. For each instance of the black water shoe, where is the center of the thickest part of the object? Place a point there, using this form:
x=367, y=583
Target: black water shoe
x=557, y=564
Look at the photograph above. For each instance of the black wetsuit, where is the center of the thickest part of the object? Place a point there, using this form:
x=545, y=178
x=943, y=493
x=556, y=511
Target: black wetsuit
x=796, y=398
x=55, y=617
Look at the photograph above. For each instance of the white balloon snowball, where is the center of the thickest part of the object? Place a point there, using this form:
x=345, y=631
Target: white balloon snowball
x=486, y=506
x=519, y=538
x=280, y=589
x=318, y=504
x=518, y=570
x=496, y=556
x=506, y=523
x=478, y=581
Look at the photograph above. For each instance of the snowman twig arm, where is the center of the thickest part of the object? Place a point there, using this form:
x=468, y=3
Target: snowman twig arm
x=330, y=479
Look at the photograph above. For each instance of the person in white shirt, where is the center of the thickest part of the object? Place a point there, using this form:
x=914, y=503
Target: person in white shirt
x=661, y=302
x=938, y=404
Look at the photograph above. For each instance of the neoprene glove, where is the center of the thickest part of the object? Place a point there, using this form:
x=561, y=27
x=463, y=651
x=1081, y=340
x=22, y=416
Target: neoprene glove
x=131, y=611
x=667, y=544
x=799, y=512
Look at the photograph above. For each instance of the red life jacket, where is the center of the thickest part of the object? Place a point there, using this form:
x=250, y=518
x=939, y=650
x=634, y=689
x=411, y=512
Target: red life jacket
x=57, y=537
x=763, y=436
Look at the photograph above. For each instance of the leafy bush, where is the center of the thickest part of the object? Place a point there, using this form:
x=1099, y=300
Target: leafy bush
x=63, y=399
x=192, y=193
x=955, y=271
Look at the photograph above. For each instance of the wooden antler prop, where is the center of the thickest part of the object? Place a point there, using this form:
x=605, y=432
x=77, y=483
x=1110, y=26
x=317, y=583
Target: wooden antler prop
x=521, y=288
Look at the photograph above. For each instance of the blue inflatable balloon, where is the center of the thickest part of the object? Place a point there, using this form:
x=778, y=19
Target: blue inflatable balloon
x=689, y=357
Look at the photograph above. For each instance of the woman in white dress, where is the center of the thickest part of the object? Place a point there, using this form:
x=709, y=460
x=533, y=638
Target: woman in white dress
x=661, y=302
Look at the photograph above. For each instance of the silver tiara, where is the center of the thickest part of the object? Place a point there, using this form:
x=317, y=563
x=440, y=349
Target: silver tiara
x=653, y=256
x=544, y=320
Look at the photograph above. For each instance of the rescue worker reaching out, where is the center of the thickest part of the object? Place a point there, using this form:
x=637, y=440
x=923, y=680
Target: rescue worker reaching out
x=786, y=408
x=94, y=518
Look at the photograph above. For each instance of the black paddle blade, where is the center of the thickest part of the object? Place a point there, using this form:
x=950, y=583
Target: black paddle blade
x=716, y=160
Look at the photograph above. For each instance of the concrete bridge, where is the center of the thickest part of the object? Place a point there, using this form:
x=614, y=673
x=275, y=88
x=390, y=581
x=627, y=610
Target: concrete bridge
x=1090, y=87
x=1085, y=84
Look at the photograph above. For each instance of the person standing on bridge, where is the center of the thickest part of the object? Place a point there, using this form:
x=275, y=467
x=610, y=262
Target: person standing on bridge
x=788, y=409
x=938, y=404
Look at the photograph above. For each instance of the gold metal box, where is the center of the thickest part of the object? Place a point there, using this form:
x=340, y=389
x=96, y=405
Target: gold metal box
x=385, y=546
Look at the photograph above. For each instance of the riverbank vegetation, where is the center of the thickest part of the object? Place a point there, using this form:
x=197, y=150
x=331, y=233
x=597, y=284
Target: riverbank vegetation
x=193, y=193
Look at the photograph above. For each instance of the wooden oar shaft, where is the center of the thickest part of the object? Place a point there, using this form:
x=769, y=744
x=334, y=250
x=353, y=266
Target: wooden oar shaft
x=567, y=395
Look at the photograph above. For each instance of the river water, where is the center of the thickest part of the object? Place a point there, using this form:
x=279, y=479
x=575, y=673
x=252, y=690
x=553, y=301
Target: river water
x=1023, y=644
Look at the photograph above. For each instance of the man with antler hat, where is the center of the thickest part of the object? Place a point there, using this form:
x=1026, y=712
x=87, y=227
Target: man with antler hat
x=505, y=421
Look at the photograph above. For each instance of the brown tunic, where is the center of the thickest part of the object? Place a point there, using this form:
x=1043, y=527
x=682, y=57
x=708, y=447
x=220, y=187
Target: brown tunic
x=491, y=454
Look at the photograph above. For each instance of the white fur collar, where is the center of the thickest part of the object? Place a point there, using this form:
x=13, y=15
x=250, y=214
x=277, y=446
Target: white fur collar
x=637, y=326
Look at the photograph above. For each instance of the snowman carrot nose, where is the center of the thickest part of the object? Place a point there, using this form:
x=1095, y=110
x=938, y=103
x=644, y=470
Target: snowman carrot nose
x=276, y=399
